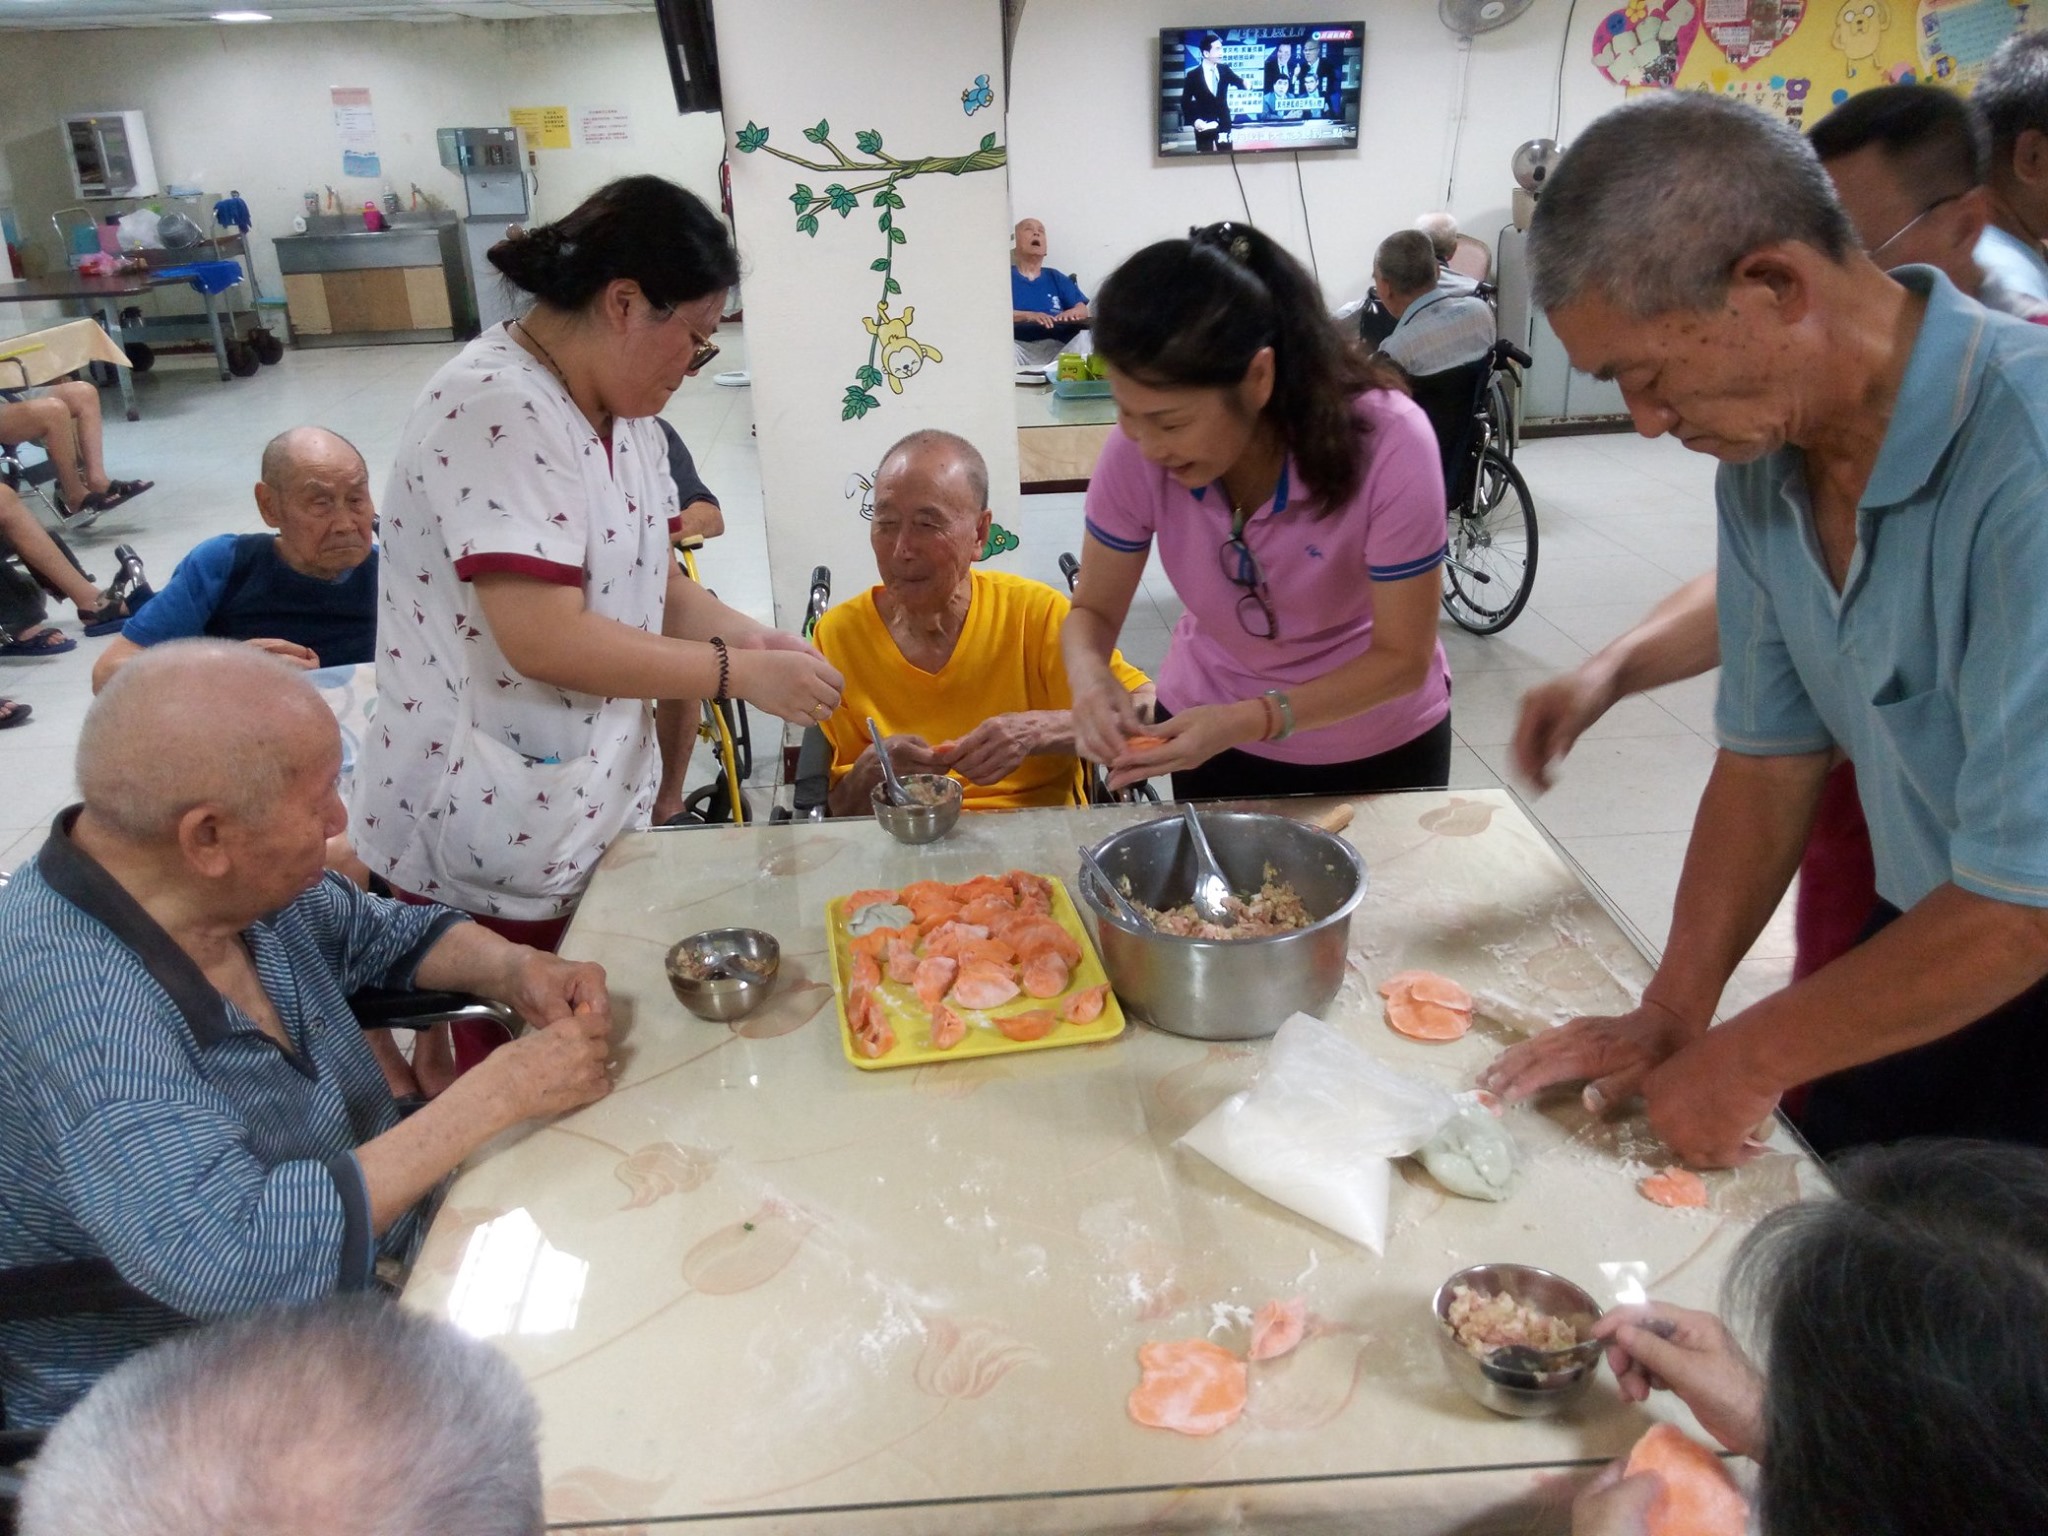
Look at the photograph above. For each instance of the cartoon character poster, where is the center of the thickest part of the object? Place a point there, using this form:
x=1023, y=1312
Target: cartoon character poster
x=1795, y=59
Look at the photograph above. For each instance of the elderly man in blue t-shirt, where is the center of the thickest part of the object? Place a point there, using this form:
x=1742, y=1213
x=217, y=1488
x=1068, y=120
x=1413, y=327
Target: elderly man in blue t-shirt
x=1047, y=307
x=306, y=593
x=1884, y=443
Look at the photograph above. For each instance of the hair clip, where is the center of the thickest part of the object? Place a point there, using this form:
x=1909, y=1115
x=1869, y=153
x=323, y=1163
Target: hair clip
x=1229, y=238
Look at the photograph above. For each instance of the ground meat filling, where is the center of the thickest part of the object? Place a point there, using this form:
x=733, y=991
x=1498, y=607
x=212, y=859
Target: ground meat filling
x=1275, y=909
x=1486, y=1323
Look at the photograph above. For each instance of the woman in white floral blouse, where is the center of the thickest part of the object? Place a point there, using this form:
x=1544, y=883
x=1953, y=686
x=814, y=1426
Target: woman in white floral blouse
x=531, y=609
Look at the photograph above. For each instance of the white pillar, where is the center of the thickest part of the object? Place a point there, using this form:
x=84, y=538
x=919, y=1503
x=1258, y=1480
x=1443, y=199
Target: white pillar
x=868, y=171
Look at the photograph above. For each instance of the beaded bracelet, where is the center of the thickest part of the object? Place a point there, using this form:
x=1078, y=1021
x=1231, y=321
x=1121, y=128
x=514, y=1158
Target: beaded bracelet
x=724, y=672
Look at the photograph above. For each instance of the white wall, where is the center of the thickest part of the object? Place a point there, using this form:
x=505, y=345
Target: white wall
x=897, y=67
x=1084, y=130
x=247, y=107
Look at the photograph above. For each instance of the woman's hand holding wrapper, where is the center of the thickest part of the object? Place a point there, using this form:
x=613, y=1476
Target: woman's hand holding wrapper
x=1105, y=718
x=1173, y=746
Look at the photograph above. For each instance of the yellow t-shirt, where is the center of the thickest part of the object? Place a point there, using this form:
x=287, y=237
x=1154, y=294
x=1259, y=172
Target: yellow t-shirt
x=1007, y=660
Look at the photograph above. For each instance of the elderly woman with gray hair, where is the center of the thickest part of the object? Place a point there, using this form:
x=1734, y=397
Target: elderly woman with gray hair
x=352, y=1415
x=1900, y=1393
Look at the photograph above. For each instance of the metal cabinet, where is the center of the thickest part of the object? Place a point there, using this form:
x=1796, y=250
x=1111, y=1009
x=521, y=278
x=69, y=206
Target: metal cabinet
x=109, y=154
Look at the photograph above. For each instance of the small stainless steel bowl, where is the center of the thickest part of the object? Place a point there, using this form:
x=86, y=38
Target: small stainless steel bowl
x=748, y=956
x=1519, y=1394
x=1227, y=989
x=922, y=822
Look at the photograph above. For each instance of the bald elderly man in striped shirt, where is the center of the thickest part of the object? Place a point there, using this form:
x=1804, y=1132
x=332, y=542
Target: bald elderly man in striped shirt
x=191, y=1123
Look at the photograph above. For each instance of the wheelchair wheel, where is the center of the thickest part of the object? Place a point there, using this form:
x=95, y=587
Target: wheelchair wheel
x=711, y=805
x=1490, y=566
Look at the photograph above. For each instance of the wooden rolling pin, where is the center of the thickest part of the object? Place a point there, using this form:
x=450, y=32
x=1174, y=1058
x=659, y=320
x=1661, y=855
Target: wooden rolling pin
x=1336, y=819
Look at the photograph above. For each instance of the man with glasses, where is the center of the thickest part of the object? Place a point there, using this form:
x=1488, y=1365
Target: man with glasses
x=1910, y=164
x=960, y=668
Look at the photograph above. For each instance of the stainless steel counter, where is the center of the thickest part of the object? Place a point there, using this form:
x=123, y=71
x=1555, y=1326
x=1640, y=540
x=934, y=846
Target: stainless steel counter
x=414, y=242
x=353, y=252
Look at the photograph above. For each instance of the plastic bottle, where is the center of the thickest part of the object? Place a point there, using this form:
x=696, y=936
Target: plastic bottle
x=390, y=198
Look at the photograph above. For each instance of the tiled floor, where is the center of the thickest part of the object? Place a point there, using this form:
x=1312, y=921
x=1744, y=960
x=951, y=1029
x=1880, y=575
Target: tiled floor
x=1622, y=521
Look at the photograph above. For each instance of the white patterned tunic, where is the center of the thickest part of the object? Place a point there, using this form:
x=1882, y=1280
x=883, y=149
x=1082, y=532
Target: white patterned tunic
x=479, y=787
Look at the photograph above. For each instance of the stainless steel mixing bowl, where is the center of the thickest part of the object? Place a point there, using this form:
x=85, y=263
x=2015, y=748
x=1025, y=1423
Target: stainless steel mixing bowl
x=1227, y=989
x=935, y=807
x=1519, y=1394
x=741, y=963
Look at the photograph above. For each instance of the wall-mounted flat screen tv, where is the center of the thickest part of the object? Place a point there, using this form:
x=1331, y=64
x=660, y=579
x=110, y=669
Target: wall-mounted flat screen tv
x=1282, y=85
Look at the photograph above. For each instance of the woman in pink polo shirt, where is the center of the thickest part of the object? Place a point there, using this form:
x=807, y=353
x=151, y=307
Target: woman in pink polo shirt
x=1297, y=499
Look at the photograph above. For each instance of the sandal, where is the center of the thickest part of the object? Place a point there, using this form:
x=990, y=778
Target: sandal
x=42, y=642
x=13, y=714
x=106, y=619
x=96, y=502
x=118, y=491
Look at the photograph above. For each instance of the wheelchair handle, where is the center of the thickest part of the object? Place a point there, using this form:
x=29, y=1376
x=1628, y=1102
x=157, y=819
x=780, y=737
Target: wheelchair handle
x=821, y=597
x=1514, y=354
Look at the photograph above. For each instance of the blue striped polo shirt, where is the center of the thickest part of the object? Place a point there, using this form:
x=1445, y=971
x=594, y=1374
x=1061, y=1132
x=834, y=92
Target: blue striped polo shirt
x=1930, y=666
x=145, y=1120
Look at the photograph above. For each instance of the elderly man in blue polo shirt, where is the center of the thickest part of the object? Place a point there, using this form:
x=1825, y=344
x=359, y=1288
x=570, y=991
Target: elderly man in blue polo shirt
x=1883, y=589
x=306, y=592
x=190, y=1121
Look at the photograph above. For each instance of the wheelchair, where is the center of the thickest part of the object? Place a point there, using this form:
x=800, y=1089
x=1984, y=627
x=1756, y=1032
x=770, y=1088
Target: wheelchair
x=810, y=771
x=724, y=724
x=1490, y=559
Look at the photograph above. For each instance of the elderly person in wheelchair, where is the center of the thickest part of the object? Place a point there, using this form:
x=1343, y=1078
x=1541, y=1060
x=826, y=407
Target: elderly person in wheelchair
x=960, y=668
x=191, y=1124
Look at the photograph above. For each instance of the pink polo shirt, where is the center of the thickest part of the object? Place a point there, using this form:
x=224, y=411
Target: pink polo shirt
x=1315, y=567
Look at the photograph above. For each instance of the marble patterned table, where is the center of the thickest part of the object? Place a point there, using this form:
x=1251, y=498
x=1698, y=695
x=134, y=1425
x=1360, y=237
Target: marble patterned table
x=755, y=1290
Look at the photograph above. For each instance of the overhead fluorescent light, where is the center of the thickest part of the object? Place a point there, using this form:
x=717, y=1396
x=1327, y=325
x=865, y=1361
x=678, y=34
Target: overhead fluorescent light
x=241, y=15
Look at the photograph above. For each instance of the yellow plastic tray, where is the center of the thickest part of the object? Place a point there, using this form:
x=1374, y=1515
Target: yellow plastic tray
x=912, y=1023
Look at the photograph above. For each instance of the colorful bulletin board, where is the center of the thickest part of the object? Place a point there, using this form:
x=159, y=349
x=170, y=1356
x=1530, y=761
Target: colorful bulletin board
x=1797, y=58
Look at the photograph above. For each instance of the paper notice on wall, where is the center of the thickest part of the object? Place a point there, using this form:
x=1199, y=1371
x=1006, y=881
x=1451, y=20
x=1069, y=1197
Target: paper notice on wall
x=356, y=126
x=544, y=127
x=604, y=125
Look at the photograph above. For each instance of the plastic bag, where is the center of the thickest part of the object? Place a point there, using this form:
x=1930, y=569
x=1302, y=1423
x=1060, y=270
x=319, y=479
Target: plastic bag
x=139, y=230
x=1318, y=1130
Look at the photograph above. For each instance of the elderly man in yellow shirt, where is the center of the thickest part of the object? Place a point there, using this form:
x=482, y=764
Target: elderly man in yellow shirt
x=960, y=668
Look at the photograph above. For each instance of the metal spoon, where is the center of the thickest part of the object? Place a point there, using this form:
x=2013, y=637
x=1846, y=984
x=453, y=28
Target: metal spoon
x=1117, y=898
x=897, y=794
x=1527, y=1360
x=1212, y=896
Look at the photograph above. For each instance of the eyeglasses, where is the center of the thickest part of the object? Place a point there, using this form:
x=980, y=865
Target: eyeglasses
x=706, y=350
x=1241, y=568
x=1907, y=228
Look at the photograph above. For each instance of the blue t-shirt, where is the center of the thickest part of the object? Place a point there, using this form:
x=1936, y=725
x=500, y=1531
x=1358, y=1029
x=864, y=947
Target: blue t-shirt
x=1049, y=293
x=1930, y=666
x=337, y=620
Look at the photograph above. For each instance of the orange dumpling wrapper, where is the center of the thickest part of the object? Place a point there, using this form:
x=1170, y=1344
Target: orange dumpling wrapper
x=1190, y=1386
x=1699, y=1497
